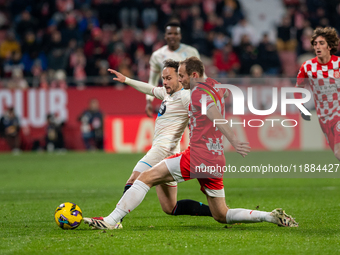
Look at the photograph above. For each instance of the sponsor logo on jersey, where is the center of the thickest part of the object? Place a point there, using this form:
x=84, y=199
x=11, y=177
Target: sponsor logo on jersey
x=162, y=109
x=215, y=147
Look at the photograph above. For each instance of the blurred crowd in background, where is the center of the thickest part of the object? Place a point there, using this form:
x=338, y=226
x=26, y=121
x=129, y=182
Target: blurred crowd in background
x=63, y=43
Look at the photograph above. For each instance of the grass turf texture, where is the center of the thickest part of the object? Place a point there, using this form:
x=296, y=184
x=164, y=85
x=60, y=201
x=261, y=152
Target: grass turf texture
x=33, y=185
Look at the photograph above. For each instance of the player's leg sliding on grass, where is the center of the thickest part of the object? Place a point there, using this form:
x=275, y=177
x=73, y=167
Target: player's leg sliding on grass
x=167, y=195
x=205, y=140
x=160, y=174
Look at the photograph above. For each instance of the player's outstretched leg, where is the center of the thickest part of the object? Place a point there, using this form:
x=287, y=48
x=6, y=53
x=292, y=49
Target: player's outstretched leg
x=222, y=214
x=98, y=222
x=277, y=216
x=133, y=197
x=130, y=200
x=139, y=168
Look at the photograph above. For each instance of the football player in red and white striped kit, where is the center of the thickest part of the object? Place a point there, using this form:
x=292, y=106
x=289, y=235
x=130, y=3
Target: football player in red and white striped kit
x=323, y=75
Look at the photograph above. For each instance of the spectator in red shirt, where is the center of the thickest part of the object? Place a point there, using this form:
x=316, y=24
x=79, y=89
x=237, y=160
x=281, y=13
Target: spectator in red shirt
x=94, y=47
x=226, y=60
x=94, y=50
x=117, y=56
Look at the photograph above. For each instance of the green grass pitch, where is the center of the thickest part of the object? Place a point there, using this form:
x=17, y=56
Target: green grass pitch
x=33, y=185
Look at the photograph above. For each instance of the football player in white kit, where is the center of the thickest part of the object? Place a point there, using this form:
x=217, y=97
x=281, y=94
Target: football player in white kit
x=175, y=50
x=170, y=124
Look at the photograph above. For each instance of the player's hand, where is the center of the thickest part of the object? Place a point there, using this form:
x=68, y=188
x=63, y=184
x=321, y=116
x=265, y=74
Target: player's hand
x=149, y=109
x=242, y=148
x=121, y=78
x=305, y=117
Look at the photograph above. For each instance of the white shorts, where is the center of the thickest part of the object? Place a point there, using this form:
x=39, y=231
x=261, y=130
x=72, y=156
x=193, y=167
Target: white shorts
x=179, y=167
x=152, y=158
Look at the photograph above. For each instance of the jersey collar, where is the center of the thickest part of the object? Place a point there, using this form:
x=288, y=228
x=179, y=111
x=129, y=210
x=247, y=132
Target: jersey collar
x=180, y=46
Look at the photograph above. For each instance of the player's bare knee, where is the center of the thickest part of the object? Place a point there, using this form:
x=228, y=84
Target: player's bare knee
x=156, y=175
x=149, y=177
x=144, y=177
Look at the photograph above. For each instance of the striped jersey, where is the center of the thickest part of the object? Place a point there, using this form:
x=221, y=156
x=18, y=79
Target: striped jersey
x=172, y=118
x=324, y=80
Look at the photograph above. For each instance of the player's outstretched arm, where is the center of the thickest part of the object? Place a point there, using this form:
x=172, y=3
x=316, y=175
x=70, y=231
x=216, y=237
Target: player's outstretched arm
x=242, y=148
x=140, y=86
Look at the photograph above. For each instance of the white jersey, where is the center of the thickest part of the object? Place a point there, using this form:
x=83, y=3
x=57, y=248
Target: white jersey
x=172, y=119
x=170, y=124
x=157, y=58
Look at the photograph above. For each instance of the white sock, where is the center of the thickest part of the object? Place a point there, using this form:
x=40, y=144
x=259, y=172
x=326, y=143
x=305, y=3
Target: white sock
x=130, y=200
x=248, y=216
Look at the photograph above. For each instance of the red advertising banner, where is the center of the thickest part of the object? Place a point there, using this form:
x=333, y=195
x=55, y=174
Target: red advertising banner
x=275, y=132
x=127, y=129
x=32, y=106
x=131, y=134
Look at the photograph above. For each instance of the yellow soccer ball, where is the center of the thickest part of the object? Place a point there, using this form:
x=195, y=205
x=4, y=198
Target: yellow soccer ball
x=68, y=216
